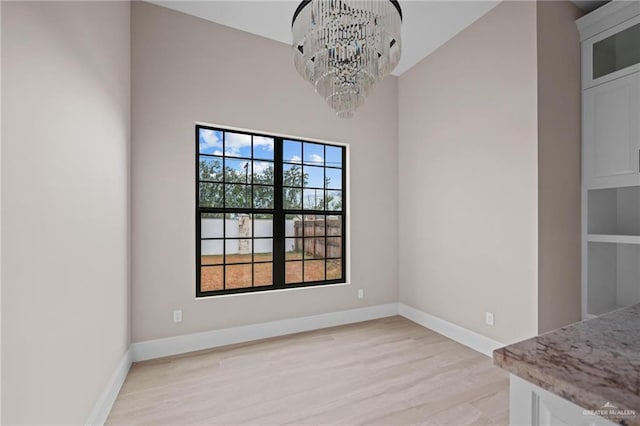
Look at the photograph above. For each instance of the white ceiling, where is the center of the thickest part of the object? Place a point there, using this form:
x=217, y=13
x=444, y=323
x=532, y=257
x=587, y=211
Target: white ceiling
x=427, y=25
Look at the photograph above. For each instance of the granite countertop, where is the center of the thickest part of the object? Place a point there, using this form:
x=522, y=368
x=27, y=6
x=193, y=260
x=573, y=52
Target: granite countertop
x=588, y=363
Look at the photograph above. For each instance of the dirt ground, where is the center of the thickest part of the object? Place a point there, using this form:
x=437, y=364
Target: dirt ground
x=239, y=275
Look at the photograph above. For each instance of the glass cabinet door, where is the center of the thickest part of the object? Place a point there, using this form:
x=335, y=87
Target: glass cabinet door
x=616, y=52
x=611, y=54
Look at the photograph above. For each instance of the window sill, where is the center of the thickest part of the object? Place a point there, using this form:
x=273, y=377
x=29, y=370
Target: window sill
x=280, y=290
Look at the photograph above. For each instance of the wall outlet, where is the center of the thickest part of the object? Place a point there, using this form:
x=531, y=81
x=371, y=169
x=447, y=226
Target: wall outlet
x=360, y=294
x=177, y=316
x=488, y=318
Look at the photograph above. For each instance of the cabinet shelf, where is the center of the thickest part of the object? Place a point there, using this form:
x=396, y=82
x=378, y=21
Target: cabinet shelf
x=604, y=310
x=613, y=275
x=612, y=238
x=614, y=211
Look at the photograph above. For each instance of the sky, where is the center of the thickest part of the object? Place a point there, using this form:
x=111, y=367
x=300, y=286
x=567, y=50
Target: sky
x=236, y=144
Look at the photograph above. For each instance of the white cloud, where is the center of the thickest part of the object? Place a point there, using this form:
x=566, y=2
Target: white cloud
x=260, y=166
x=294, y=159
x=263, y=142
x=209, y=139
x=234, y=142
x=315, y=158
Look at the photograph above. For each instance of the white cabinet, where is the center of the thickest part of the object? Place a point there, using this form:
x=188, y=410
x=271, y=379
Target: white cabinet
x=611, y=133
x=612, y=53
x=610, y=39
x=530, y=405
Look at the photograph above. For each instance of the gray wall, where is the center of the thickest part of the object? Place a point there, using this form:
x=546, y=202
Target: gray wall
x=559, y=162
x=468, y=177
x=65, y=203
x=185, y=70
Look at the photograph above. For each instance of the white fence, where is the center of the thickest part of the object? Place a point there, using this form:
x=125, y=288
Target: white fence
x=213, y=228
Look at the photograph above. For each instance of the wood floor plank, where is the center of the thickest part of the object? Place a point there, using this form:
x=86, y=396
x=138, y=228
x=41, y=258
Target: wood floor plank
x=387, y=371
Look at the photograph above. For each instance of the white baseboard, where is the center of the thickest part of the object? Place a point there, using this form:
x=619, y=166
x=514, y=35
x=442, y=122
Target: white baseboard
x=210, y=339
x=102, y=408
x=461, y=335
x=159, y=348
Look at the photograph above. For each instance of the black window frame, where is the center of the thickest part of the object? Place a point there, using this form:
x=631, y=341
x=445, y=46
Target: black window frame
x=279, y=215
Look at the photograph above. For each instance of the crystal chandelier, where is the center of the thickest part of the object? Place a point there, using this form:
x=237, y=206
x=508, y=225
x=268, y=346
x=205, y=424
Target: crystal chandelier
x=345, y=47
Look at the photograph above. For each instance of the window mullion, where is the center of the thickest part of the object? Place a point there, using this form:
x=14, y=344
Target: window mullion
x=278, y=217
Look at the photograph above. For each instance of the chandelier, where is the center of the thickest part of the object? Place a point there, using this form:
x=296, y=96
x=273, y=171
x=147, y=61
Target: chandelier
x=345, y=47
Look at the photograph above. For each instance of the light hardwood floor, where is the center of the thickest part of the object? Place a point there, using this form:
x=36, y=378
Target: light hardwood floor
x=388, y=371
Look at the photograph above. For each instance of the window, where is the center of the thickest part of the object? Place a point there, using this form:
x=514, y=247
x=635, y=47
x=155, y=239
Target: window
x=269, y=212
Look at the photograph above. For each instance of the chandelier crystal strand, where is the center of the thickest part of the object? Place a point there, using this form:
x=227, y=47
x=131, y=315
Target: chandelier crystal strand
x=344, y=48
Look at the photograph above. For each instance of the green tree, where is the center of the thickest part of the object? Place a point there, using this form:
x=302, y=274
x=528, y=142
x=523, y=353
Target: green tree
x=265, y=177
x=210, y=192
x=333, y=202
x=237, y=192
x=263, y=197
x=293, y=181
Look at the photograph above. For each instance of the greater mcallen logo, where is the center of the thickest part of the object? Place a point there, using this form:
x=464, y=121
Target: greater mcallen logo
x=610, y=411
